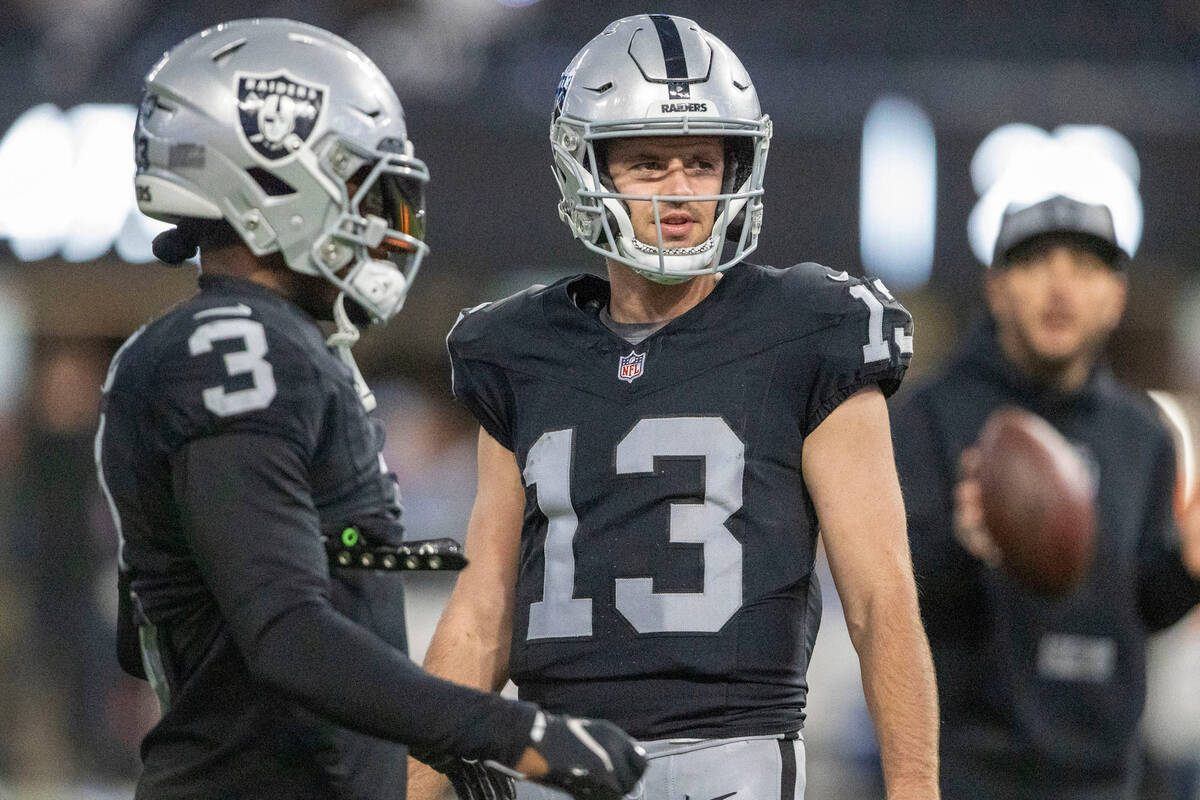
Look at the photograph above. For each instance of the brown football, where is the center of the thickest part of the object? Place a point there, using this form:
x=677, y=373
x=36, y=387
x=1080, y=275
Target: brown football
x=1039, y=501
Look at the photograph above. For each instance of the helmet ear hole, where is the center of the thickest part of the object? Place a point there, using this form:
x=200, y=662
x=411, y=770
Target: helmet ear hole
x=600, y=148
x=739, y=162
x=739, y=165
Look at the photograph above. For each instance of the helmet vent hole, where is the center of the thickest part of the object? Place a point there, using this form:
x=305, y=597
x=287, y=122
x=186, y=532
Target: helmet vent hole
x=600, y=89
x=228, y=50
x=272, y=185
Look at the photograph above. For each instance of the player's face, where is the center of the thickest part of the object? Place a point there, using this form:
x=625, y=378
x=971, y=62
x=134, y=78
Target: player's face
x=669, y=165
x=1057, y=306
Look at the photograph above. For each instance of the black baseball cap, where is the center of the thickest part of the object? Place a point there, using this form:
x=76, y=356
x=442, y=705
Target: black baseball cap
x=1090, y=223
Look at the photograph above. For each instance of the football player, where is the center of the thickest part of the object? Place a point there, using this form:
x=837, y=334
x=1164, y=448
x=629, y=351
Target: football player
x=234, y=439
x=659, y=449
x=1041, y=697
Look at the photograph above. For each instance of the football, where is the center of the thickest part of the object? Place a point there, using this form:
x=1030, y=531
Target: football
x=1038, y=499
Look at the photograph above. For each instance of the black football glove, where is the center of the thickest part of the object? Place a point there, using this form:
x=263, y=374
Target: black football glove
x=588, y=759
x=472, y=780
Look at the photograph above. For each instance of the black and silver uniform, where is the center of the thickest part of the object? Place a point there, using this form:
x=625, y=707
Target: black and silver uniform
x=232, y=438
x=665, y=577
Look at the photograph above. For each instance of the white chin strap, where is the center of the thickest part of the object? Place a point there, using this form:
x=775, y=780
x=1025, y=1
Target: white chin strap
x=675, y=260
x=342, y=340
x=380, y=286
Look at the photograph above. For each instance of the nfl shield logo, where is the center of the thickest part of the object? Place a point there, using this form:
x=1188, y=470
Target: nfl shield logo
x=278, y=113
x=631, y=366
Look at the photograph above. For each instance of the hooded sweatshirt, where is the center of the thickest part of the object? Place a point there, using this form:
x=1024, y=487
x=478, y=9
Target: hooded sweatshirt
x=1041, y=697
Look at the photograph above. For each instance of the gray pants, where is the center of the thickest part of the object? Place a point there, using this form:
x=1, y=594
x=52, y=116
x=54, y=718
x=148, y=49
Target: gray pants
x=752, y=768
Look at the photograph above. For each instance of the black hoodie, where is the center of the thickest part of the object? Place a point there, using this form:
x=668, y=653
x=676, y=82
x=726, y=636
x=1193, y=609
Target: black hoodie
x=1041, y=698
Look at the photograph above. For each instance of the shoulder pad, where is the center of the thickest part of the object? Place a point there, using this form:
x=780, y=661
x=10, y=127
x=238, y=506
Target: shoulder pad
x=481, y=328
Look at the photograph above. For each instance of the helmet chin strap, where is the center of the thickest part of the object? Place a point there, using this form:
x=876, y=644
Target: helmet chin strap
x=342, y=340
x=677, y=258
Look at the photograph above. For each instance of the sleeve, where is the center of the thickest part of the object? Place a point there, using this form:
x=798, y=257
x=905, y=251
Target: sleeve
x=1166, y=590
x=949, y=580
x=478, y=383
x=250, y=520
x=869, y=342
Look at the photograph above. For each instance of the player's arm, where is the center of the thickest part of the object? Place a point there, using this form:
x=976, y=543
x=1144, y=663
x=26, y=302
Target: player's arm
x=850, y=473
x=249, y=518
x=471, y=643
x=472, y=639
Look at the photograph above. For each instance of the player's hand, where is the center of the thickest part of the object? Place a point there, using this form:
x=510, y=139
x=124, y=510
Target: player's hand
x=587, y=758
x=969, y=528
x=472, y=780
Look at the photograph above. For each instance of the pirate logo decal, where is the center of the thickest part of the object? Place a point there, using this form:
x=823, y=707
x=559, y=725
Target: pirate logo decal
x=278, y=113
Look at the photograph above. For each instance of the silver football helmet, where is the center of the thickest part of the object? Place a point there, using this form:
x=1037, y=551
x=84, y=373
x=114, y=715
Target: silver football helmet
x=658, y=75
x=294, y=137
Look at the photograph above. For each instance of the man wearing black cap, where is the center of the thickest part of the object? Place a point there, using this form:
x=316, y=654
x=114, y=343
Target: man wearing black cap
x=1041, y=698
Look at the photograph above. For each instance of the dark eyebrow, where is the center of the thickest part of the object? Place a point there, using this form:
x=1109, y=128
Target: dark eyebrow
x=643, y=155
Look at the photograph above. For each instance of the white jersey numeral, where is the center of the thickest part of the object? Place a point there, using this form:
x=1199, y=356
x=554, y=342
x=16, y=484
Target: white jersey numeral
x=249, y=360
x=724, y=465
x=557, y=613
x=876, y=349
x=560, y=614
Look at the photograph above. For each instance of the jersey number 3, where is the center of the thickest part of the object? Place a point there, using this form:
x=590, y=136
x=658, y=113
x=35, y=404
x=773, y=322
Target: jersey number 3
x=246, y=361
x=559, y=614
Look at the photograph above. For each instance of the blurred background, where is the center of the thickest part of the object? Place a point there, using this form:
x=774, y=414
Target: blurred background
x=879, y=108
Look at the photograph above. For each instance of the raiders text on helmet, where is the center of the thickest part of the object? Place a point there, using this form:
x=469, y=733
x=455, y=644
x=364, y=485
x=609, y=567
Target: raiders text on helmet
x=658, y=75
x=295, y=138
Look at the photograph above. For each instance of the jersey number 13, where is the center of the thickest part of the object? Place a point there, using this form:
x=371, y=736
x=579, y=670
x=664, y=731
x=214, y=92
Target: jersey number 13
x=560, y=614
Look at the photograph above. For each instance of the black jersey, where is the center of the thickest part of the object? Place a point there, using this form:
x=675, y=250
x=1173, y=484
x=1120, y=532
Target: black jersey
x=232, y=439
x=239, y=361
x=665, y=577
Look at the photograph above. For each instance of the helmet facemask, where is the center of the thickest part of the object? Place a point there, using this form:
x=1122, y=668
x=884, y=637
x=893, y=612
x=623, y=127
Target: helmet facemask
x=599, y=215
x=382, y=213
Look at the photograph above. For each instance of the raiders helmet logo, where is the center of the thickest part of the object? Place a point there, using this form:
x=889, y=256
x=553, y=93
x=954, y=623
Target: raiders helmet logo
x=278, y=113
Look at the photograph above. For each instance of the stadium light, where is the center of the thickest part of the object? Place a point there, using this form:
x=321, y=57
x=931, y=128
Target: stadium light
x=898, y=194
x=66, y=185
